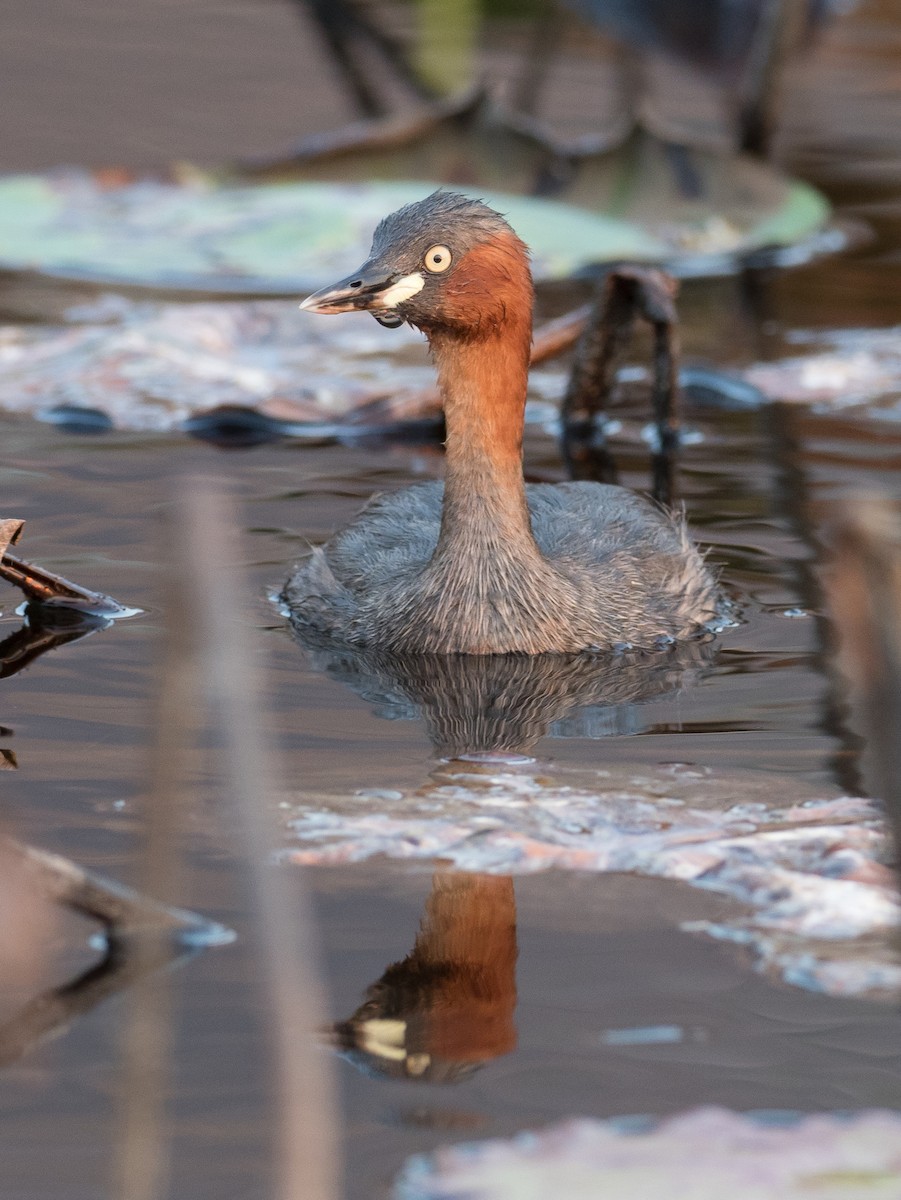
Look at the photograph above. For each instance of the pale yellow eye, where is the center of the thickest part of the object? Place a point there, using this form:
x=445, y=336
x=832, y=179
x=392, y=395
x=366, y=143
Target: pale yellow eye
x=437, y=259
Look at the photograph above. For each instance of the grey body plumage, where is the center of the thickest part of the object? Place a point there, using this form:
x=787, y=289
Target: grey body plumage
x=619, y=571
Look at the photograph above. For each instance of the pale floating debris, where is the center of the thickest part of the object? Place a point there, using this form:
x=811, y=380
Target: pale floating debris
x=819, y=903
x=850, y=368
x=152, y=367
x=704, y=1154
x=147, y=366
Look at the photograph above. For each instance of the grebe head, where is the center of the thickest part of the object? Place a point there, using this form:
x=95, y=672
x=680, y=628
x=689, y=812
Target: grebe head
x=444, y=264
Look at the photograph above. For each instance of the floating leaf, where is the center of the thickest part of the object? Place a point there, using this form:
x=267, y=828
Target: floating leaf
x=702, y=1155
x=291, y=238
x=821, y=907
x=280, y=238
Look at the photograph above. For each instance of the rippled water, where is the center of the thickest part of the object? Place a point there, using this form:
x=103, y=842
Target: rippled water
x=580, y=960
x=594, y=953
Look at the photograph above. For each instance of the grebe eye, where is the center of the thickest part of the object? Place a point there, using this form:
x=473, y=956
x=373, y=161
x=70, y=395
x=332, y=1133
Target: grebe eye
x=437, y=259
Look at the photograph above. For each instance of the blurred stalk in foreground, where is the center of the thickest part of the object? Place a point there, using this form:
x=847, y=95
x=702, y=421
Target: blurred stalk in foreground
x=447, y=42
x=307, y=1150
x=142, y=1161
x=863, y=586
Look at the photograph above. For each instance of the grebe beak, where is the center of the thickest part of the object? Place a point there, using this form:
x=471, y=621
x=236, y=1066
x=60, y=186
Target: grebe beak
x=370, y=289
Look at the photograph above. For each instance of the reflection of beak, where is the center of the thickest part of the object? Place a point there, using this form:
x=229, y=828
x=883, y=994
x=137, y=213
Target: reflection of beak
x=384, y=1038
x=370, y=289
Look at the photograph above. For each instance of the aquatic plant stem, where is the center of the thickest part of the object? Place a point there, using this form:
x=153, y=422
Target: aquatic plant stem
x=143, y=1146
x=863, y=586
x=307, y=1160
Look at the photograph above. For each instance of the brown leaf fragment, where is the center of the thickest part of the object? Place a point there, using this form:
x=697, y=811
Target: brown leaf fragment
x=10, y=531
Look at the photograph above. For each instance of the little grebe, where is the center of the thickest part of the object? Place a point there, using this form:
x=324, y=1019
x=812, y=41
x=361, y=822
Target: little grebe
x=484, y=564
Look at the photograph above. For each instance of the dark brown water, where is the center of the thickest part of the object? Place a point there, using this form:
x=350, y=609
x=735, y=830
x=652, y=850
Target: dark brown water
x=595, y=954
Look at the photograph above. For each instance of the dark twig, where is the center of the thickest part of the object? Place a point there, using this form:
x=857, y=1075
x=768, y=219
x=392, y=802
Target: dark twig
x=52, y=1012
x=43, y=586
x=337, y=30
x=36, y=637
x=345, y=28
x=120, y=909
x=627, y=294
x=390, y=48
x=779, y=28
x=397, y=132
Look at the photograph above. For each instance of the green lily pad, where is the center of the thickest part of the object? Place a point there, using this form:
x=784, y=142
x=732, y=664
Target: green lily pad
x=263, y=239
x=294, y=237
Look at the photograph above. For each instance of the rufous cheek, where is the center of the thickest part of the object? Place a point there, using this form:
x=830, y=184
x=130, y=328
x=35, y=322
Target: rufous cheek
x=491, y=285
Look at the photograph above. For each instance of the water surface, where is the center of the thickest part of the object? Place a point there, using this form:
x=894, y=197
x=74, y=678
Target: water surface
x=595, y=956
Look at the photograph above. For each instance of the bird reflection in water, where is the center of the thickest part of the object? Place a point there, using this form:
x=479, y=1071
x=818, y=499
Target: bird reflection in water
x=448, y=1007
x=507, y=703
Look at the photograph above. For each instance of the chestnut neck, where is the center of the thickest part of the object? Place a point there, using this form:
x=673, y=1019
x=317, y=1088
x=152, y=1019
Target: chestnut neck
x=483, y=380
